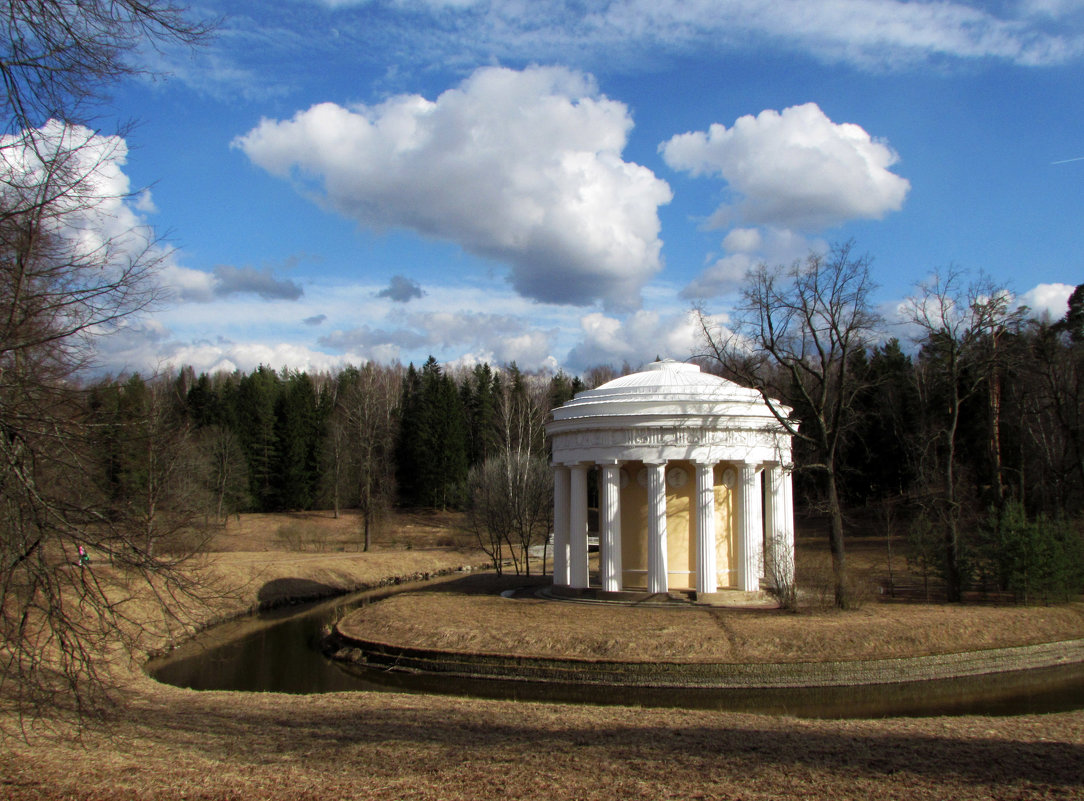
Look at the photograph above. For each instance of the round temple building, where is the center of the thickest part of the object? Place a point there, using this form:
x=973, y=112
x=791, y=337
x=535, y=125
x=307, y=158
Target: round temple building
x=685, y=477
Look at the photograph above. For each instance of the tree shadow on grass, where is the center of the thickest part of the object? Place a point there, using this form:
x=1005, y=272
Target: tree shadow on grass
x=360, y=733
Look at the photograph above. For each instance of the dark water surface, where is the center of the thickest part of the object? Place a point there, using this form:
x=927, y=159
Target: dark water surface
x=279, y=651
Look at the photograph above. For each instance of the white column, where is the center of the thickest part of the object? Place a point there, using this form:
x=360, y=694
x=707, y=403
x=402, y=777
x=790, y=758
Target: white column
x=577, y=533
x=657, y=578
x=561, y=494
x=773, y=515
x=610, y=528
x=706, y=579
x=786, y=526
x=751, y=537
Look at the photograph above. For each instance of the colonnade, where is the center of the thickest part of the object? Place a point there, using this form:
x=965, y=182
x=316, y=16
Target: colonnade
x=765, y=541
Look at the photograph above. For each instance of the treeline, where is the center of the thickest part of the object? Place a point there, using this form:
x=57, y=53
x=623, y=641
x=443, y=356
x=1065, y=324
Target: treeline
x=976, y=446
x=185, y=446
x=970, y=444
x=973, y=436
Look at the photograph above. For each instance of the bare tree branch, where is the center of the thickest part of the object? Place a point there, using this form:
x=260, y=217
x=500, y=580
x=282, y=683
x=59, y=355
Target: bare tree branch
x=793, y=338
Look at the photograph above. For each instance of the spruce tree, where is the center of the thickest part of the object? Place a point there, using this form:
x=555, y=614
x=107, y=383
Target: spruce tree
x=409, y=451
x=432, y=450
x=256, y=397
x=297, y=436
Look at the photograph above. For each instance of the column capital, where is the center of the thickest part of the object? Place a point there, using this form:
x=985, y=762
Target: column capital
x=585, y=465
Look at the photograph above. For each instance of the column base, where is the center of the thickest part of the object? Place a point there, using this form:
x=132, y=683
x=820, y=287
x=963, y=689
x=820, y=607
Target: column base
x=737, y=599
x=758, y=598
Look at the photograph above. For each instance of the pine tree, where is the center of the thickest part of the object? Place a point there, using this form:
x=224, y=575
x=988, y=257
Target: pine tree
x=432, y=449
x=478, y=394
x=409, y=451
x=297, y=436
x=257, y=394
x=448, y=445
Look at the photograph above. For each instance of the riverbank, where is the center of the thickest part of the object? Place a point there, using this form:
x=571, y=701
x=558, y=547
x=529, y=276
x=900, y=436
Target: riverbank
x=471, y=615
x=167, y=743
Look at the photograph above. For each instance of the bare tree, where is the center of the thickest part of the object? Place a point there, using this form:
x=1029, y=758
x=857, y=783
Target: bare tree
x=511, y=492
x=227, y=471
x=58, y=55
x=1054, y=399
x=65, y=279
x=363, y=432
x=792, y=339
x=335, y=457
x=71, y=270
x=961, y=325
x=153, y=473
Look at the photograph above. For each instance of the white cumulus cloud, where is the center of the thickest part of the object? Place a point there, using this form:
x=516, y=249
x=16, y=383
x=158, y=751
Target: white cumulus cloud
x=793, y=169
x=744, y=248
x=636, y=339
x=1048, y=300
x=96, y=212
x=523, y=167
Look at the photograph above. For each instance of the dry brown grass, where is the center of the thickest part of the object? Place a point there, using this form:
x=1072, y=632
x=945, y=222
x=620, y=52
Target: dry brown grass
x=322, y=531
x=169, y=743
x=453, y=617
x=245, y=571
x=182, y=744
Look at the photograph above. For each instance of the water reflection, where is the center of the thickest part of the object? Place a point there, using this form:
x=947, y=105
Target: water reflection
x=279, y=651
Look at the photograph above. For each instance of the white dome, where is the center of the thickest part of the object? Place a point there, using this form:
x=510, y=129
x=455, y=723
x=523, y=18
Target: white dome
x=669, y=410
x=662, y=384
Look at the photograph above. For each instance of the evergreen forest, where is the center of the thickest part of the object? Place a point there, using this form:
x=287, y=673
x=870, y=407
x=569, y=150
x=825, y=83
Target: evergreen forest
x=1001, y=415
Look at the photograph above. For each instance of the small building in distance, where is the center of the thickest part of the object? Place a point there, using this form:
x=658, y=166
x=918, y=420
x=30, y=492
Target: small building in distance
x=693, y=477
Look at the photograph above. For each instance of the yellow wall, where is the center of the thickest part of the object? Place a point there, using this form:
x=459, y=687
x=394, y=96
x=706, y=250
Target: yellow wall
x=680, y=529
x=726, y=534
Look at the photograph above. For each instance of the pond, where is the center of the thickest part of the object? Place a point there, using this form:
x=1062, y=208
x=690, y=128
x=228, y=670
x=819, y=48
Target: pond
x=279, y=651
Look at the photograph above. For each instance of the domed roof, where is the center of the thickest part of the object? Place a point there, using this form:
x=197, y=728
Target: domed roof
x=668, y=410
x=668, y=377
x=665, y=387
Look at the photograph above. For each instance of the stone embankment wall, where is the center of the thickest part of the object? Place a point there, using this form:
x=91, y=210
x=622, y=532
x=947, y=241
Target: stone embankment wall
x=387, y=656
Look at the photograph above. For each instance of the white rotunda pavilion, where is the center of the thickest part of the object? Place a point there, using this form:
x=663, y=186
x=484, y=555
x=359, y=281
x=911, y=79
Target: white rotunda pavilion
x=693, y=485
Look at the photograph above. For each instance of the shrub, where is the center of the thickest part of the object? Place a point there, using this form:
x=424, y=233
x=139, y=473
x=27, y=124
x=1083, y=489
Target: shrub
x=296, y=536
x=1035, y=560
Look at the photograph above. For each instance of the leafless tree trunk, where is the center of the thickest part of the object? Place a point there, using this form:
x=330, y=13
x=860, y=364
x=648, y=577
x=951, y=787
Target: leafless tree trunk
x=67, y=276
x=336, y=459
x=227, y=476
x=366, y=417
x=511, y=492
x=792, y=339
x=960, y=326
x=1054, y=398
x=63, y=281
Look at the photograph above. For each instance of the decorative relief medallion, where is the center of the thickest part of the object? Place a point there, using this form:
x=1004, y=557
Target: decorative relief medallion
x=677, y=477
x=641, y=477
x=730, y=478
x=623, y=477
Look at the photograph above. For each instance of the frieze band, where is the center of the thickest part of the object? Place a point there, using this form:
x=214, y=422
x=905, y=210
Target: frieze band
x=654, y=437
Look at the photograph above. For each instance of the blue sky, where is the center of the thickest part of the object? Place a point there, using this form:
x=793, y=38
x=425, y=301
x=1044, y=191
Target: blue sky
x=556, y=183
